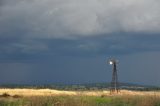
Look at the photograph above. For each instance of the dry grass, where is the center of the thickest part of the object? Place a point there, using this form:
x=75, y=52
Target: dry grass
x=35, y=92
x=49, y=97
x=51, y=92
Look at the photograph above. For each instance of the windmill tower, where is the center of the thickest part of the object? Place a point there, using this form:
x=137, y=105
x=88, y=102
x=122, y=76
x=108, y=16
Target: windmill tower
x=114, y=83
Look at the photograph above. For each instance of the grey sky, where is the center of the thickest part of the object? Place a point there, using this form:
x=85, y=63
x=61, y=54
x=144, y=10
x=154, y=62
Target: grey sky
x=69, y=41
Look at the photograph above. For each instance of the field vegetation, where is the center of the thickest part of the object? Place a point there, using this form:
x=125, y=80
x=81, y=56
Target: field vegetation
x=48, y=97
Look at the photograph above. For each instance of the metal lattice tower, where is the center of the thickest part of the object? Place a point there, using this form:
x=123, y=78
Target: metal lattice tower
x=114, y=83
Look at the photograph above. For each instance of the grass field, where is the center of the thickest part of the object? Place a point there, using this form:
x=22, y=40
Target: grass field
x=47, y=97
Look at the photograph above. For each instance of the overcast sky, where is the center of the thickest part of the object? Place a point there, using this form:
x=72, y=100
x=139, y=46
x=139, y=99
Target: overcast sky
x=70, y=41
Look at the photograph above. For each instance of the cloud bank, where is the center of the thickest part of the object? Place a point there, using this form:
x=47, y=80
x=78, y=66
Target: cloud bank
x=46, y=41
x=76, y=18
x=31, y=28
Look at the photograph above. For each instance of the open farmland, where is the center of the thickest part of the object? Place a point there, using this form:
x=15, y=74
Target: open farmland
x=49, y=97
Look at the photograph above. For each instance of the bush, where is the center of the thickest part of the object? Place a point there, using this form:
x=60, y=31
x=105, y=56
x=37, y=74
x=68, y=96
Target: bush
x=5, y=95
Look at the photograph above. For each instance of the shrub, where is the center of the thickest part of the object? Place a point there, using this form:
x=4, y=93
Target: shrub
x=5, y=95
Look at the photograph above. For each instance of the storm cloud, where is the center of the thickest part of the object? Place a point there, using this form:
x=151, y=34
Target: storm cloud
x=38, y=37
x=74, y=18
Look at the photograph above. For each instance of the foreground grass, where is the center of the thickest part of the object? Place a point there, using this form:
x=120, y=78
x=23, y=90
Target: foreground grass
x=50, y=97
x=80, y=101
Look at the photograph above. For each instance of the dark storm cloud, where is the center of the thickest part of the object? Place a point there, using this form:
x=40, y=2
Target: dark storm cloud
x=40, y=36
x=76, y=27
x=19, y=49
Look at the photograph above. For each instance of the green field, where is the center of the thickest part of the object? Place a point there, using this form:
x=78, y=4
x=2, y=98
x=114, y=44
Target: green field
x=7, y=100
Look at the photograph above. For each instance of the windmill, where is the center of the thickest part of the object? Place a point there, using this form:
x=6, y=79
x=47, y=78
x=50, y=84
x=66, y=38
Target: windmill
x=114, y=83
